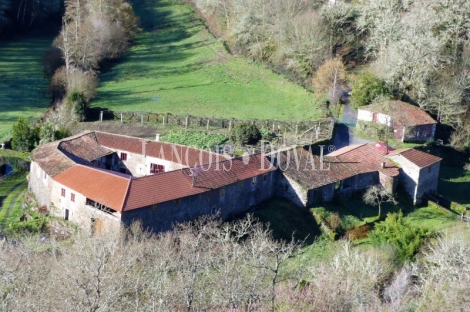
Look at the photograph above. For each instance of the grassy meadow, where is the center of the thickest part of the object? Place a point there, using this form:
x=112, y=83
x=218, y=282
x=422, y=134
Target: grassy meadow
x=12, y=190
x=176, y=66
x=23, y=86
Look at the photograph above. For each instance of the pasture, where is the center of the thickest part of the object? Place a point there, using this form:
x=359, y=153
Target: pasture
x=176, y=66
x=23, y=86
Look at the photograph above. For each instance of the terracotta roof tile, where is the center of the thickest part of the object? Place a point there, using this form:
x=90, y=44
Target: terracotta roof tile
x=85, y=147
x=417, y=157
x=402, y=113
x=171, y=185
x=305, y=168
x=185, y=155
x=56, y=157
x=363, y=159
x=105, y=187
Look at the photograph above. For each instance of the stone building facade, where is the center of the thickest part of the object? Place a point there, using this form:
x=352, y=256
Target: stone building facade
x=104, y=181
x=419, y=172
x=409, y=122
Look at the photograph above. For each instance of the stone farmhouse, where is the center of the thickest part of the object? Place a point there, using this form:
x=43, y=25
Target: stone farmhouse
x=102, y=181
x=409, y=122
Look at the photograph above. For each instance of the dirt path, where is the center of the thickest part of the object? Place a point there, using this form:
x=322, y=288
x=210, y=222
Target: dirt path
x=12, y=204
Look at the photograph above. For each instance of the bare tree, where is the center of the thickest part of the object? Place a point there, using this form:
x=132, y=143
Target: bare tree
x=329, y=78
x=376, y=195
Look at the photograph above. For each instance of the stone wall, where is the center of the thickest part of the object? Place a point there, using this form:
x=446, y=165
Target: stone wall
x=428, y=179
x=291, y=190
x=40, y=183
x=79, y=212
x=420, y=133
x=228, y=201
x=321, y=194
x=409, y=177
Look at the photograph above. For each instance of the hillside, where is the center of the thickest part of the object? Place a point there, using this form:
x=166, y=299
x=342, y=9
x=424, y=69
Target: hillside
x=23, y=86
x=177, y=66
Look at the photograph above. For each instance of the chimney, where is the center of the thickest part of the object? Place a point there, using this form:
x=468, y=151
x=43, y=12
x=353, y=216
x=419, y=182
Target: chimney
x=157, y=137
x=383, y=164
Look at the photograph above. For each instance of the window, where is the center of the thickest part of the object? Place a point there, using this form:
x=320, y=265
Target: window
x=62, y=192
x=253, y=181
x=265, y=177
x=222, y=192
x=240, y=184
x=45, y=175
x=156, y=169
x=123, y=156
x=176, y=201
x=154, y=207
x=72, y=197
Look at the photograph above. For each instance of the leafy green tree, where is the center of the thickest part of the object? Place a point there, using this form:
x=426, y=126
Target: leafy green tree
x=78, y=101
x=366, y=88
x=245, y=133
x=23, y=138
x=399, y=233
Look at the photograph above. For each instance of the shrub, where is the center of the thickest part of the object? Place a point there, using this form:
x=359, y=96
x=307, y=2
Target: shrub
x=399, y=233
x=24, y=137
x=266, y=134
x=78, y=102
x=245, y=133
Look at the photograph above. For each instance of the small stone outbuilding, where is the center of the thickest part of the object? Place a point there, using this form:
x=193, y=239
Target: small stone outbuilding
x=419, y=172
x=409, y=122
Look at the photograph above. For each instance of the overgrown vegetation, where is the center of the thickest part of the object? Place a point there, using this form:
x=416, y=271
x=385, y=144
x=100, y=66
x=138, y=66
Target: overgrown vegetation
x=366, y=87
x=398, y=232
x=195, y=138
x=245, y=134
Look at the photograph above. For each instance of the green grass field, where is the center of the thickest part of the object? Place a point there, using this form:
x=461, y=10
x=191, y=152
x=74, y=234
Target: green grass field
x=23, y=87
x=12, y=190
x=179, y=64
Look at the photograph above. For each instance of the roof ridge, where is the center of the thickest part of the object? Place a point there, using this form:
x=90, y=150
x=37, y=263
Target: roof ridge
x=108, y=172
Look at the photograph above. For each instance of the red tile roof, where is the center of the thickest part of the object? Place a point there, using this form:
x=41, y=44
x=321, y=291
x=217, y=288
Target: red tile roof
x=417, y=157
x=122, y=192
x=85, y=147
x=171, y=185
x=305, y=168
x=401, y=112
x=364, y=158
x=105, y=187
x=187, y=156
x=58, y=156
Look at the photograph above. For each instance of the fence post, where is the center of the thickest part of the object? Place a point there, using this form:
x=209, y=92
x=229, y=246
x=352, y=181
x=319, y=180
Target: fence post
x=163, y=120
x=142, y=119
x=230, y=125
x=101, y=115
x=273, y=127
x=208, y=124
x=187, y=121
x=121, y=117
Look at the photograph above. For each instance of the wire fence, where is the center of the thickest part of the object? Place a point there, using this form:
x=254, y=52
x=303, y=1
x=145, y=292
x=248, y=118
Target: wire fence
x=287, y=132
